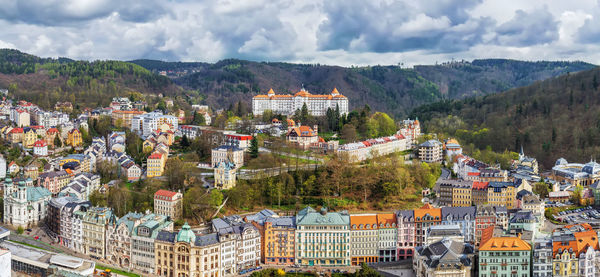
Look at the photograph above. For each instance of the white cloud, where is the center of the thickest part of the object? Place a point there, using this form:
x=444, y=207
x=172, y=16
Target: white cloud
x=343, y=32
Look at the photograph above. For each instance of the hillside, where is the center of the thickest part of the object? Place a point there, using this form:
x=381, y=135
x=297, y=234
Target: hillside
x=391, y=89
x=559, y=117
x=88, y=84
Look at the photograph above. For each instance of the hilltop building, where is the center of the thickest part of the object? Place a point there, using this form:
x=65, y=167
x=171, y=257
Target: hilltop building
x=288, y=104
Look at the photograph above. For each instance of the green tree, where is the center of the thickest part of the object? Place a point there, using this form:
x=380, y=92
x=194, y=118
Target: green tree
x=542, y=189
x=254, y=147
x=57, y=141
x=20, y=230
x=349, y=133
x=185, y=142
x=366, y=271
x=576, y=196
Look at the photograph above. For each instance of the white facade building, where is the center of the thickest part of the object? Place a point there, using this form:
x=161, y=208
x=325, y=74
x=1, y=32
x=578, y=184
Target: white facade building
x=5, y=263
x=287, y=104
x=360, y=151
x=24, y=205
x=146, y=124
x=2, y=167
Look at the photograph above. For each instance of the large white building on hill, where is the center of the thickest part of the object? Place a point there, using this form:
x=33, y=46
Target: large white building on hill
x=287, y=104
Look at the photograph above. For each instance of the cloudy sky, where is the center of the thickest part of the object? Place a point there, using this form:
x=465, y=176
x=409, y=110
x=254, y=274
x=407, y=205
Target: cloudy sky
x=341, y=32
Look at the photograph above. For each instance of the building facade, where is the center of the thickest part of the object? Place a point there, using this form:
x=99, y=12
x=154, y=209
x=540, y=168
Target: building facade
x=322, y=238
x=364, y=237
x=431, y=151
x=168, y=203
x=287, y=104
x=280, y=240
x=24, y=206
x=505, y=256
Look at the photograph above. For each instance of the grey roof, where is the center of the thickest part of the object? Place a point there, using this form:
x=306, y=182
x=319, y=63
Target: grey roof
x=523, y=217
x=166, y=236
x=500, y=209
x=406, y=214
x=444, y=231
x=206, y=240
x=458, y=213
x=430, y=143
x=284, y=221
x=523, y=193
x=261, y=216
x=446, y=253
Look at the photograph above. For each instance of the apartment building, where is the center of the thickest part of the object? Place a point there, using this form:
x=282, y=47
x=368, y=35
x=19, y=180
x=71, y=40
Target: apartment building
x=280, y=240
x=505, y=256
x=322, y=238
x=96, y=221
x=364, y=238
x=168, y=203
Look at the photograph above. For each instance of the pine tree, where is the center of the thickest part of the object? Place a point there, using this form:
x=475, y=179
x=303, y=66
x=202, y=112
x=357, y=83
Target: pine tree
x=254, y=147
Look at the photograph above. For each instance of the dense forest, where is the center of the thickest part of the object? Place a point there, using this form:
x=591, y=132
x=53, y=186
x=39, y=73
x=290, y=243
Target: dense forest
x=391, y=89
x=46, y=81
x=559, y=117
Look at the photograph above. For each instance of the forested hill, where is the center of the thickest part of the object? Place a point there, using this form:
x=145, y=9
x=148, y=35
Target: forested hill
x=559, y=117
x=391, y=89
x=45, y=81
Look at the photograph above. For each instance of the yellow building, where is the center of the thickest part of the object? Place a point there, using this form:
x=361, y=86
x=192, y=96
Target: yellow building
x=123, y=118
x=155, y=165
x=280, y=243
x=574, y=246
x=461, y=195
x=501, y=194
x=15, y=135
x=83, y=160
x=29, y=137
x=74, y=138
x=186, y=254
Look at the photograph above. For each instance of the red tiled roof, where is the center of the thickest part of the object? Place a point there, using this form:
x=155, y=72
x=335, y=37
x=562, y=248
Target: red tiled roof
x=16, y=130
x=40, y=143
x=480, y=185
x=165, y=193
x=155, y=156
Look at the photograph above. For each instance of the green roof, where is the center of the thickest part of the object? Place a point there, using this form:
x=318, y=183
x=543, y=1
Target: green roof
x=186, y=234
x=37, y=193
x=308, y=216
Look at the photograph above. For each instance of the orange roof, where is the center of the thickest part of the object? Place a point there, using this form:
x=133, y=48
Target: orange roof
x=363, y=219
x=16, y=130
x=480, y=185
x=335, y=91
x=271, y=91
x=52, y=130
x=165, y=193
x=505, y=244
x=428, y=209
x=386, y=219
x=487, y=234
x=303, y=131
x=582, y=240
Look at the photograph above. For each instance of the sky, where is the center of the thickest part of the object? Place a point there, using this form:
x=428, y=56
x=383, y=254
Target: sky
x=336, y=32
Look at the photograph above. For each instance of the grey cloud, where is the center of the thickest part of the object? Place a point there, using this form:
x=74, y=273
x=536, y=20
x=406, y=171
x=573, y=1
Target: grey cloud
x=442, y=26
x=525, y=29
x=60, y=12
